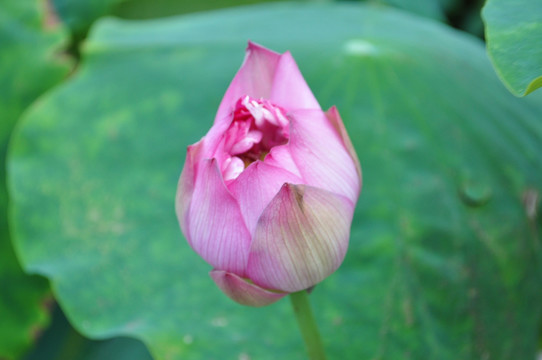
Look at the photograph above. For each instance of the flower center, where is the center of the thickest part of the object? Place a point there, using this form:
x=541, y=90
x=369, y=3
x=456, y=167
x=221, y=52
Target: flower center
x=257, y=126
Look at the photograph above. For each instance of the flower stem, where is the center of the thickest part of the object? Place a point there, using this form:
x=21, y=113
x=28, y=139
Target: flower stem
x=307, y=325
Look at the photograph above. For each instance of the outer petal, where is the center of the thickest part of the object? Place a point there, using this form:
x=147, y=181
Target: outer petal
x=185, y=187
x=320, y=154
x=300, y=239
x=216, y=230
x=243, y=291
x=256, y=187
x=290, y=90
x=255, y=78
x=335, y=119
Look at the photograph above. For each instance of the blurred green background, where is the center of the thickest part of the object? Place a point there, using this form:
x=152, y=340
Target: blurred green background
x=99, y=100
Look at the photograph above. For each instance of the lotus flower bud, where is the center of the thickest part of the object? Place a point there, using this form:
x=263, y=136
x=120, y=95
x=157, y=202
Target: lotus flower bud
x=268, y=195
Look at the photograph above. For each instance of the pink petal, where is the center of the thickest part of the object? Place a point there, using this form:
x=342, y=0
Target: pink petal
x=256, y=187
x=290, y=90
x=243, y=291
x=213, y=142
x=254, y=79
x=246, y=142
x=280, y=157
x=335, y=119
x=216, y=230
x=321, y=156
x=185, y=187
x=232, y=168
x=300, y=238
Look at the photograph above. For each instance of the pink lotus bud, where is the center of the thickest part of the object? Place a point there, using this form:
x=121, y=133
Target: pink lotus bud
x=267, y=196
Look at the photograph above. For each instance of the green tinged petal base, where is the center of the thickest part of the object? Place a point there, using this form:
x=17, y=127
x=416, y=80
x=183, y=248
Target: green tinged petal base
x=243, y=291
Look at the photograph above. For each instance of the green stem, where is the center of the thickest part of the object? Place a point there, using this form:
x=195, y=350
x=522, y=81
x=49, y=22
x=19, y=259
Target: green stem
x=307, y=325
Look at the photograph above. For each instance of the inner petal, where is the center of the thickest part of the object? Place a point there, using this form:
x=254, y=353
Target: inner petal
x=256, y=128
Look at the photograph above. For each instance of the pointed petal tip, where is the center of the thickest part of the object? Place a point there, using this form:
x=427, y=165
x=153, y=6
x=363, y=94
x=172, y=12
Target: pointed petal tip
x=242, y=291
x=252, y=46
x=255, y=188
x=290, y=90
x=332, y=111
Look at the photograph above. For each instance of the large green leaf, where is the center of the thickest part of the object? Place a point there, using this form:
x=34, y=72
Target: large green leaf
x=444, y=261
x=28, y=67
x=514, y=33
